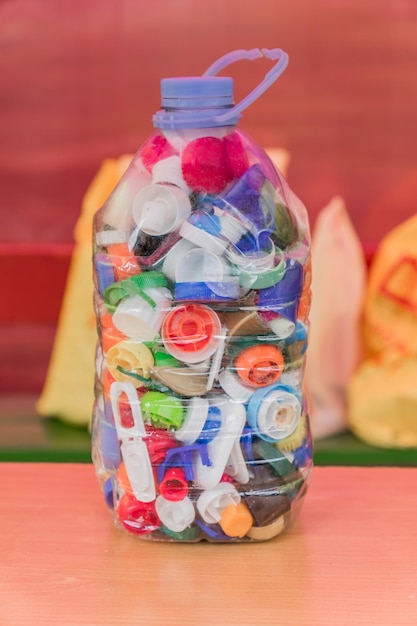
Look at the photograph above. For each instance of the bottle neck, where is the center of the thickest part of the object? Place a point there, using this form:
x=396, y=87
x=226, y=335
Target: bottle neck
x=177, y=118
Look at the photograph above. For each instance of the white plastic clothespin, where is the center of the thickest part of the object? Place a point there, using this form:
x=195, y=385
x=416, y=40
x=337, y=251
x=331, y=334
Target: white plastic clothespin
x=133, y=448
x=220, y=448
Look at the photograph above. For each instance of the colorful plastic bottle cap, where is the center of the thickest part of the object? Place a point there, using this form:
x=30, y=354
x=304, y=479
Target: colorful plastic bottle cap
x=158, y=442
x=174, y=486
x=108, y=492
x=236, y=154
x=186, y=381
x=168, y=171
x=281, y=326
x=274, y=412
x=205, y=165
x=236, y=520
x=194, y=420
x=283, y=295
x=295, y=440
x=286, y=231
x=203, y=239
x=132, y=286
x=265, y=502
x=125, y=264
x=201, y=265
x=232, y=416
x=260, y=365
x=292, y=377
x=133, y=448
x=176, y=516
x=174, y=256
x=110, y=448
x=257, y=260
x=104, y=272
x=155, y=148
x=233, y=387
x=109, y=237
x=160, y=209
x=136, y=318
x=245, y=195
x=243, y=322
x=231, y=228
x=211, y=502
x=263, y=533
x=191, y=332
x=137, y=517
x=117, y=211
x=162, y=409
x=130, y=361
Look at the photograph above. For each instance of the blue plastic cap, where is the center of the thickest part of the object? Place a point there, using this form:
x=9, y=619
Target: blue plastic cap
x=194, y=102
x=200, y=92
x=198, y=101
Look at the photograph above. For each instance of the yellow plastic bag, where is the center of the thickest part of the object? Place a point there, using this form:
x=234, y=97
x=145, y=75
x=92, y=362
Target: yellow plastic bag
x=68, y=392
x=338, y=288
x=383, y=390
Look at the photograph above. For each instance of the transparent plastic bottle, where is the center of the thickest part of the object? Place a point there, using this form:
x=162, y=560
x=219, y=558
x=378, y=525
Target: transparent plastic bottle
x=202, y=293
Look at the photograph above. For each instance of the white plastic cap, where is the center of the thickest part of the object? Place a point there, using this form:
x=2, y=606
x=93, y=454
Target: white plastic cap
x=211, y=502
x=279, y=414
x=136, y=318
x=233, y=387
x=109, y=237
x=174, y=256
x=201, y=265
x=160, y=209
x=281, y=326
x=202, y=239
x=176, y=516
x=169, y=171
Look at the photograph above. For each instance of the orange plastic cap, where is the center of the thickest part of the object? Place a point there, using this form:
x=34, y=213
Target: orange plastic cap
x=236, y=520
x=260, y=365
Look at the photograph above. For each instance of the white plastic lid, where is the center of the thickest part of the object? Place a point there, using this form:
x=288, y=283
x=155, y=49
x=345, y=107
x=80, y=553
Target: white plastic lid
x=174, y=256
x=211, y=502
x=233, y=387
x=203, y=239
x=169, y=171
x=160, y=209
x=201, y=265
x=176, y=516
x=279, y=414
x=136, y=318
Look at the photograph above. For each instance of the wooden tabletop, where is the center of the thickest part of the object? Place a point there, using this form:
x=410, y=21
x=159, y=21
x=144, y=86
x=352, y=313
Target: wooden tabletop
x=351, y=558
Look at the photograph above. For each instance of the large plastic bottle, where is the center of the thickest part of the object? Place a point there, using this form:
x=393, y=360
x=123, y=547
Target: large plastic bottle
x=202, y=292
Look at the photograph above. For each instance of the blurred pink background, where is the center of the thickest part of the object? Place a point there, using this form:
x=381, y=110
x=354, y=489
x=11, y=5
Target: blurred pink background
x=80, y=82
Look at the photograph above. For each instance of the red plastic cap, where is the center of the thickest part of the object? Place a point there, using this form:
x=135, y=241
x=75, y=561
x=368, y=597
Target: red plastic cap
x=137, y=517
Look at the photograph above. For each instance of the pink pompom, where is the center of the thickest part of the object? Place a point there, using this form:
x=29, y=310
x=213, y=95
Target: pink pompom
x=205, y=165
x=155, y=149
x=236, y=153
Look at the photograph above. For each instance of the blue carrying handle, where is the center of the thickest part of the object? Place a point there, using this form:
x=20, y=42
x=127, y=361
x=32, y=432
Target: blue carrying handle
x=238, y=55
